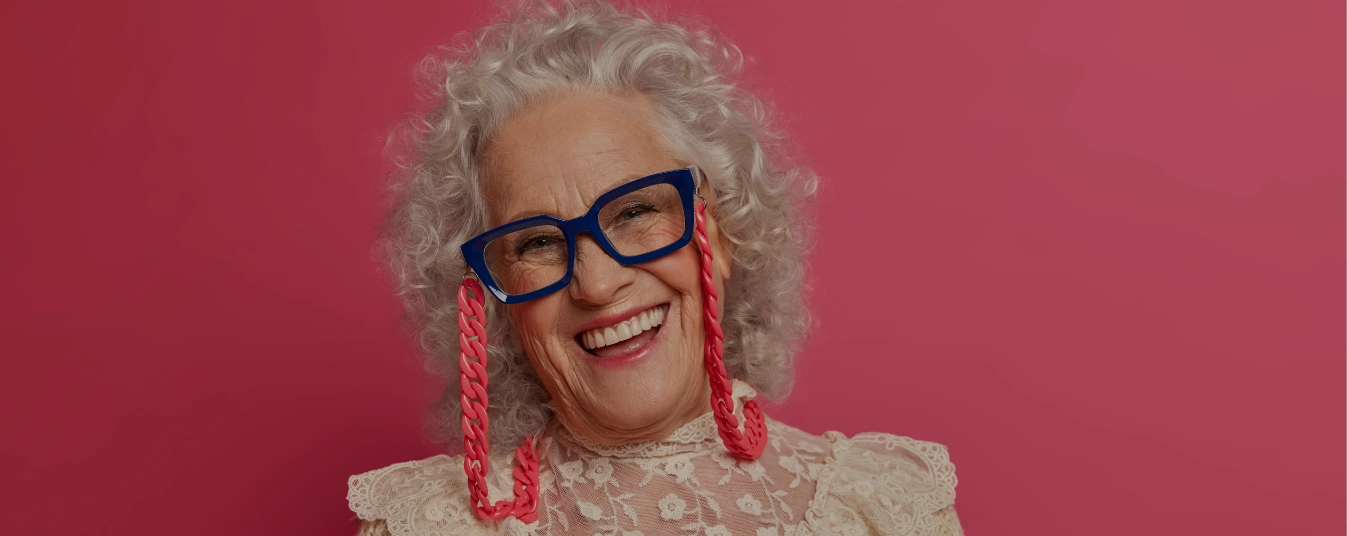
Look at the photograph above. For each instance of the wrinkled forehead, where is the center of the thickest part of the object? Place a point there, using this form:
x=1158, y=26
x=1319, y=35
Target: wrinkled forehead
x=557, y=155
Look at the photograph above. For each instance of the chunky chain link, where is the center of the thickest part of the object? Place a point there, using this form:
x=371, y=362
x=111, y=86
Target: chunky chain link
x=473, y=382
x=748, y=444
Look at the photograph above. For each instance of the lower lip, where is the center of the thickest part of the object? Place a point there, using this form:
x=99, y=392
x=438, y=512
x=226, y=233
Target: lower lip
x=629, y=358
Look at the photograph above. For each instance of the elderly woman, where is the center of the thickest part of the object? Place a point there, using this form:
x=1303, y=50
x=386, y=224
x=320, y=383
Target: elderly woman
x=598, y=234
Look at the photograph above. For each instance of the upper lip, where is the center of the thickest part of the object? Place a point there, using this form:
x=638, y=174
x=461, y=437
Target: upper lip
x=614, y=319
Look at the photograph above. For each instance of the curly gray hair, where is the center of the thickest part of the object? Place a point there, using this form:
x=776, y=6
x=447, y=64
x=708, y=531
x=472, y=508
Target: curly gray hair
x=690, y=76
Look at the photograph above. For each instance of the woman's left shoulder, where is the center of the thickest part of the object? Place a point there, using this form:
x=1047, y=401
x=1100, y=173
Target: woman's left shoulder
x=877, y=482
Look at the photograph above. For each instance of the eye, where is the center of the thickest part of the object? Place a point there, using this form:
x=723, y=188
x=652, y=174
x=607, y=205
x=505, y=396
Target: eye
x=634, y=211
x=536, y=243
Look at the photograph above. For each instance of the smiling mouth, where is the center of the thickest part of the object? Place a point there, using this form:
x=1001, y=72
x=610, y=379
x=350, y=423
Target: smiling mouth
x=624, y=337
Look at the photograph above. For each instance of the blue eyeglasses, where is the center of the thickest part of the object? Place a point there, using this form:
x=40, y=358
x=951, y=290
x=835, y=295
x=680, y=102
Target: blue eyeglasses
x=637, y=222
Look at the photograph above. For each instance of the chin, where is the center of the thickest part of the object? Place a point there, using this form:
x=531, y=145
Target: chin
x=643, y=391
x=643, y=400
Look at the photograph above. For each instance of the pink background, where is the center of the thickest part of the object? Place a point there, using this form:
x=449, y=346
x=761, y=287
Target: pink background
x=1096, y=248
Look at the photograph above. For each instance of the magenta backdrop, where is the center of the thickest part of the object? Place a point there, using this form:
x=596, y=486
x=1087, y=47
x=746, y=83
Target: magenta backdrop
x=1096, y=248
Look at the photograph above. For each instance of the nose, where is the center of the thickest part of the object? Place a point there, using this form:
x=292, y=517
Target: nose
x=598, y=278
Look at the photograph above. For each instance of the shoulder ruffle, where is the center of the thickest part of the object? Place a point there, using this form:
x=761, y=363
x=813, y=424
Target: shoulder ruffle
x=428, y=498
x=883, y=484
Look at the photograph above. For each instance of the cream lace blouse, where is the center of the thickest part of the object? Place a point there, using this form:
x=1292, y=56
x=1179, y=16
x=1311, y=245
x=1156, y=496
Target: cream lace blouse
x=685, y=484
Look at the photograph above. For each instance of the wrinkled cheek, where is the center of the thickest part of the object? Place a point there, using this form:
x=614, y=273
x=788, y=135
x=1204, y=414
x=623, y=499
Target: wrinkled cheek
x=568, y=389
x=694, y=302
x=567, y=385
x=693, y=329
x=553, y=372
x=549, y=370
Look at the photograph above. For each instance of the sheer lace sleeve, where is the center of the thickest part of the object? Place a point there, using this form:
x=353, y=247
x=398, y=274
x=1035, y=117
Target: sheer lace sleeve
x=884, y=484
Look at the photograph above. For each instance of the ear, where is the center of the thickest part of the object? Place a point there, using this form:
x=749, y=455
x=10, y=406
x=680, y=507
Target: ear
x=722, y=254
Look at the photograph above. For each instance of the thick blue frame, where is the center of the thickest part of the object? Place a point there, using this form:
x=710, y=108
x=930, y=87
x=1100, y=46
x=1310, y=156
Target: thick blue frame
x=686, y=181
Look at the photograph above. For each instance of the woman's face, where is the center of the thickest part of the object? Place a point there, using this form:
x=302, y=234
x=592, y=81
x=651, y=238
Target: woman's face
x=556, y=157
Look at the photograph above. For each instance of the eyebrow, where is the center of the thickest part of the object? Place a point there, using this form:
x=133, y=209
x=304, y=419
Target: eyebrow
x=531, y=213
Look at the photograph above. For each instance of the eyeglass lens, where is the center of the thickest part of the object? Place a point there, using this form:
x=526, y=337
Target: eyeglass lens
x=637, y=223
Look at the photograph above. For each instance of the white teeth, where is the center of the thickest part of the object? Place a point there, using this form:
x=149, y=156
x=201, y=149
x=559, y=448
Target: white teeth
x=600, y=337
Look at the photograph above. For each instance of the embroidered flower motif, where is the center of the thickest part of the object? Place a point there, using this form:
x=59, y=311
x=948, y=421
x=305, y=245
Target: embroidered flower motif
x=650, y=465
x=791, y=464
x=572, y=471
x=864, y=488
x=814, y=470
x=671, y=507
x=590, y=510
x=680, y=467
x=723, y=459
x=755, y=470
x=600, y=471
x=749, y=505
x=718, y=530
x=546, y=479
x=437, y=509
x=845, y=521
x=768, y=531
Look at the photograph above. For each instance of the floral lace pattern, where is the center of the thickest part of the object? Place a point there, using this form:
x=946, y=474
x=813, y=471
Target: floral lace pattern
x=684, y=484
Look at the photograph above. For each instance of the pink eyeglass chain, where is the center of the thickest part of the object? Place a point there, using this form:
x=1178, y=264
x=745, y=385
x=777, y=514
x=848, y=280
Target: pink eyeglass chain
x=472, y=382
x=745, y=445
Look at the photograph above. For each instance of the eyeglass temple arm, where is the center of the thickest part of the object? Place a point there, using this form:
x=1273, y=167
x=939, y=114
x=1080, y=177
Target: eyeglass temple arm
x=697, y=179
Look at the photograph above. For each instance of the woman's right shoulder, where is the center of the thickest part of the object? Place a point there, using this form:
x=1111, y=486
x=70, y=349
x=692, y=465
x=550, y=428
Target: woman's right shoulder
x=426, y=497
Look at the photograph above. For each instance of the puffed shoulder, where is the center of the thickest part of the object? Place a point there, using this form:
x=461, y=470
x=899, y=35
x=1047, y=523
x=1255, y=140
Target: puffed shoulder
x=877, y=483
x=427, y=498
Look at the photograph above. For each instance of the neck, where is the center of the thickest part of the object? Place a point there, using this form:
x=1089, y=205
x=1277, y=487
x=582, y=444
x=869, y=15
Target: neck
x=695, y=404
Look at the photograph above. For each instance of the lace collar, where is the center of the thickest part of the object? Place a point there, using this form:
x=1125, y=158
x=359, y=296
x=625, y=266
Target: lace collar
x=698, y=434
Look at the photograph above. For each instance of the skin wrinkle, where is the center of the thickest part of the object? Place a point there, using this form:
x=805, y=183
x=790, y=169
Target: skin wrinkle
x=557, y=157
